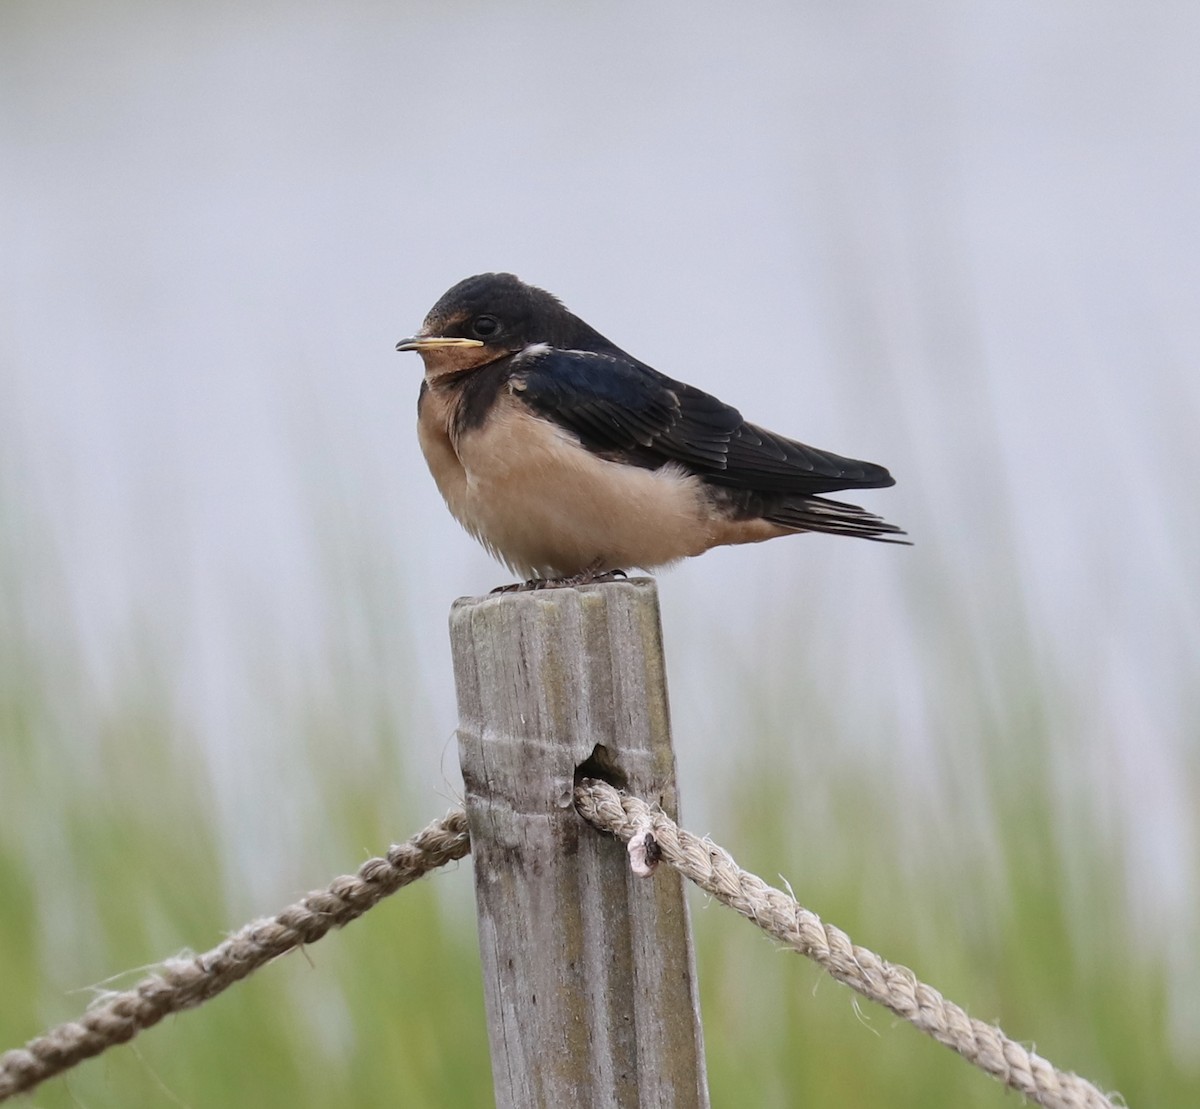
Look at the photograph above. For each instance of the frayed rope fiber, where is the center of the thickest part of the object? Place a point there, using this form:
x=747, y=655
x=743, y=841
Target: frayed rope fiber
x=181, y=983
x=895, y=987
x=652, y=836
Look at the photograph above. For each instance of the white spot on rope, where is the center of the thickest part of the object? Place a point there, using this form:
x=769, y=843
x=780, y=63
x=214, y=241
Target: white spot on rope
x=643, y=853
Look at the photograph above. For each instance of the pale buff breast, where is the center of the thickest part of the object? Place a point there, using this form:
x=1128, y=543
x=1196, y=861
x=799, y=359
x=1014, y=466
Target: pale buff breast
x=537, y=499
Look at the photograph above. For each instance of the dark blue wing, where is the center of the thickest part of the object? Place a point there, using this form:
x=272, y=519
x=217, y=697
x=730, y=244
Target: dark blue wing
x=623, y=409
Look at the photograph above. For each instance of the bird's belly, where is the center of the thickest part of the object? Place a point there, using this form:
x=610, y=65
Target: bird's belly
x=549, y=507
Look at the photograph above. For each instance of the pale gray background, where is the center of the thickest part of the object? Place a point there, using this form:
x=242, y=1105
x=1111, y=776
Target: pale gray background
x=960, y=240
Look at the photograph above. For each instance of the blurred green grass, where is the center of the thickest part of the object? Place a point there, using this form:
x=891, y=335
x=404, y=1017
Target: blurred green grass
x=116, y=852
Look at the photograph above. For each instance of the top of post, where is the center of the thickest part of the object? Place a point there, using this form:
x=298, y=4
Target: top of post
x=641, y=588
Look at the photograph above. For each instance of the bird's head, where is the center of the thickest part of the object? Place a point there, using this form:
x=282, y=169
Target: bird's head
x=491, y=316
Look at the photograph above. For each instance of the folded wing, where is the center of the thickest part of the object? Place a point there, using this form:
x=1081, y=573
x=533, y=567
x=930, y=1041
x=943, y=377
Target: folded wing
x=624, y=409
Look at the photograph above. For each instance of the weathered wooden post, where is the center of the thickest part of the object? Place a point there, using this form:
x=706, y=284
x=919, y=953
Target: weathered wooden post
x=588, y=971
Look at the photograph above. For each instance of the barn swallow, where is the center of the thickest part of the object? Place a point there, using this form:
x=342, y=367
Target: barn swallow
x=570, y=460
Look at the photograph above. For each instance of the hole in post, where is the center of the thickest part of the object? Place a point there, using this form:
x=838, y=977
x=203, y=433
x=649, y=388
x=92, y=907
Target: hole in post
x=601, y=764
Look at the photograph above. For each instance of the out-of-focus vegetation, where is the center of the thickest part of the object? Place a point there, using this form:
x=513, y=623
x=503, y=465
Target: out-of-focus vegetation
x=122, y=852
x=959, y=241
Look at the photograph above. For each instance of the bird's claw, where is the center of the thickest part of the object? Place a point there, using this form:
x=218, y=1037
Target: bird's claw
x=590, y=576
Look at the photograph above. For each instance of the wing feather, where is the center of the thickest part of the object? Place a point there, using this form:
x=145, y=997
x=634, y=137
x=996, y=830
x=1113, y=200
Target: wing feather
x=623, y=408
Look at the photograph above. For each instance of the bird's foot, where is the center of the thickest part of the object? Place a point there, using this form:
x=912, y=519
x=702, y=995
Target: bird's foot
x=521, y=586
x=591, y=576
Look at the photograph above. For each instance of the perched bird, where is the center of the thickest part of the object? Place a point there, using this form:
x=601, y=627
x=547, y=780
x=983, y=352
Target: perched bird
x=570, y=460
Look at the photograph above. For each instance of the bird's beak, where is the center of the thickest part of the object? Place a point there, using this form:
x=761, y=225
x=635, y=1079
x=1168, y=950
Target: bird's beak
x=435, y=342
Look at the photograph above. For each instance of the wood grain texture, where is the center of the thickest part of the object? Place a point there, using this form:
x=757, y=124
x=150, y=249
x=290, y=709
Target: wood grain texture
x=589, y=974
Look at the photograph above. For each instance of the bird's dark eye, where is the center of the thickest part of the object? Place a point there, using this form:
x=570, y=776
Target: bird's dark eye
x=485, y=327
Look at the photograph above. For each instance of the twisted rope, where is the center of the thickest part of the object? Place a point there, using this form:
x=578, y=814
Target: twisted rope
x=651, y=835
x=895, y=987
x=181, y=983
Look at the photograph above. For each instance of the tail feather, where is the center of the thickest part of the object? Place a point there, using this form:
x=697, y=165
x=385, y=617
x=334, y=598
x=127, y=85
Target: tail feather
x=833, y=518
